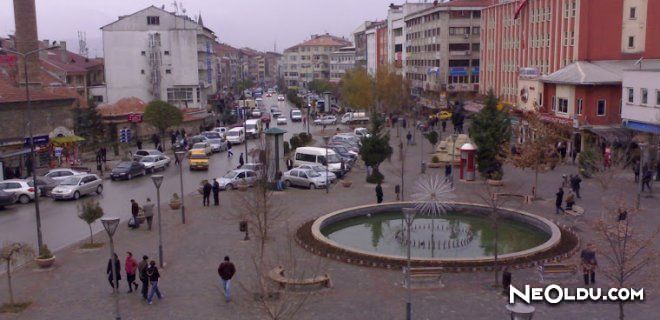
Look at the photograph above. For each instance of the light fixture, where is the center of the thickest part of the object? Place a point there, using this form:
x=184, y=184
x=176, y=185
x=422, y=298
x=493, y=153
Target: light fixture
x=110, y=224
x=157, y=179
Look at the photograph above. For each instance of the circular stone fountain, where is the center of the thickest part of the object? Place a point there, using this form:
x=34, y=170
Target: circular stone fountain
x=463, y=237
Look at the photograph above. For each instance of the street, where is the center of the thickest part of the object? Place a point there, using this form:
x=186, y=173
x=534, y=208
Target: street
x=59, y=219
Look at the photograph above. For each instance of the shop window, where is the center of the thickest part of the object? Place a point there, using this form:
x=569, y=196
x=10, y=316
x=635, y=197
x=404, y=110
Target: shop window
x=601, y=106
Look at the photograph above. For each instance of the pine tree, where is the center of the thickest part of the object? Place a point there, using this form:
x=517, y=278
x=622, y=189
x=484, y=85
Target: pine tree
x=376, y=148
x=491, y=132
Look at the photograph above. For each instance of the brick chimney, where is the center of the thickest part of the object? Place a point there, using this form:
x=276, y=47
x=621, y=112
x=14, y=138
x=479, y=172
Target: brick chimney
x=25, y=17
x=63, y=53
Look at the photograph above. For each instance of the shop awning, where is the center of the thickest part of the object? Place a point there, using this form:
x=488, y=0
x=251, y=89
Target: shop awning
x=14, y=153
x=68, y=139
x=612, y=134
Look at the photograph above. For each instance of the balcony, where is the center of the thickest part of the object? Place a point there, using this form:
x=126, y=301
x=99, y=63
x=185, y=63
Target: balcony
x=460, y=53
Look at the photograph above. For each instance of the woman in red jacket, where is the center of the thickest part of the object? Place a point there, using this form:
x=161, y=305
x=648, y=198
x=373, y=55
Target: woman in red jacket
x=130, y=265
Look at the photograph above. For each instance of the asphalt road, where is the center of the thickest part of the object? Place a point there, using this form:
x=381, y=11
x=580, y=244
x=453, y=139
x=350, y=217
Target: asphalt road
x=61, y=225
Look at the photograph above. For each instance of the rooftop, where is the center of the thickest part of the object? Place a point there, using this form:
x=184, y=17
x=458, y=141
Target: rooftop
x=594, y=73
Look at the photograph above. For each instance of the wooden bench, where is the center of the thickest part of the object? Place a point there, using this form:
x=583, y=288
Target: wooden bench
x=554, y=269
x=277, y=275
x=426, y=274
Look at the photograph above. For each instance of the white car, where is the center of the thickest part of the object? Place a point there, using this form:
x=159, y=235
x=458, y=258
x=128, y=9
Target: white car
x=320, y=170
x=146, y=152
x=203, y=146
x=155, y=163
x=61, y=174
x=304, y=178
x=280, y=98
x=235, y=177
x=19, y=187
x=281, y=120
x=77, y=186
x=218, y=144
x=361, y=133
x=221, y=130
x=325, y=120
x=212, y=135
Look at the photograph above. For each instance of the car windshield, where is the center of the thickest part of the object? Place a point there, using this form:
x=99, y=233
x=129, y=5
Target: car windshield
x=318, y=168
x=251, y=126
x=340, y=149
x=215, y=141
x=295, y=113
x=313, y=174
x=70, y=181
x=124, y=165
x=230, y=175
x=199, y=146
x=148, y=159
x=333, y=158
x=198, y=156
x=233, y=133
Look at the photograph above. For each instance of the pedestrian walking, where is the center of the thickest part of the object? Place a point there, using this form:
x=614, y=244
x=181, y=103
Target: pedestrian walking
x=241, y=162
x=142, y=271
x=404, y=123
x=156, y=140
x=173, y=139
x=229, y=152
x=114, y=282
x=379, y=193
x=226, y=270
x=589, y=264
x=289, y=164
x=409, y=138
x=397, y=191
x=130, y=265
x=575, y=181
x=558, y=200
x=135, y=210
x=139, y=144
x=646, y=179
x=148, y=210
x=176, y=161
x=104, y=154
x=154, y=276
x=444, y=125
x=570, y=200
x=206, y=191
x=216, y=192
x=635, y=169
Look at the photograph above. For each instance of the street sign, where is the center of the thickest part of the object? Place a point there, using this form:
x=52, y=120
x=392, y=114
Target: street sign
x=37, y=140
x=125, y=135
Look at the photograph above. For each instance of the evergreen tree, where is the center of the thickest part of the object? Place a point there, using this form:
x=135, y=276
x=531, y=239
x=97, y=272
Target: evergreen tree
x=89, y=124
x=491, y=132
x=376, y=147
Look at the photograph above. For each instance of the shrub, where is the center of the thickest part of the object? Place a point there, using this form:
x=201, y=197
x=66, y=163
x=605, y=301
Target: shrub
x=295, y=142
x=287, y=147
x=435, y=159
x=45, y=253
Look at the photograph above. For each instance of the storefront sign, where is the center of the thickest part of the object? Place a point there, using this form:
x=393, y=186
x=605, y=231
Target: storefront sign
x=135, y=117
x=37, y=140
x=458, y=71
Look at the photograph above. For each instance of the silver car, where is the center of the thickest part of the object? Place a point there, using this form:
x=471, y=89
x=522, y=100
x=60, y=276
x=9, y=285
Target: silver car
x=326, y=120
x=304, y=178
x=155, y=163
x=235, y=177
x=20, y=188
x=61, y=174
x=218, y=144
x=77, y=186
x=320, y=169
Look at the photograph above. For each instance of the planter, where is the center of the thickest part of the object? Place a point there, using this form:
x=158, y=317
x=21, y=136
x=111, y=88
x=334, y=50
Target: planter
x=45, y=263
x=175, y=205
x=346, y=183
x=497, y=183
x=435, y=165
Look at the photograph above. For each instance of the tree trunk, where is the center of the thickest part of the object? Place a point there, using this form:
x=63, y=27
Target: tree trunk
x=497, y=270
x=621, y=315
x=91, y=235
x=11, y=290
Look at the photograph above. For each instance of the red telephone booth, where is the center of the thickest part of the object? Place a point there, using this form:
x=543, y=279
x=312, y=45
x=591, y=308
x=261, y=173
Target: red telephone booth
x=468, y=167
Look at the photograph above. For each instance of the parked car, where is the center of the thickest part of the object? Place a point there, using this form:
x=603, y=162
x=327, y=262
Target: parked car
x=320, y=170
x=256, y=167
x=77, y=186
x=325, y=120
x=256, y=113
x=218, y=144
x=221, y=130
x=198, y=138
x=361, y=133
x=236, y=135
x=44, y=184
x=24, y=193
x=315, y=155
x=344, y=152
x=205, y=146
x=127, y=170
x=155, y=163
x=212, y=135
x=7, y=198
x=61, y=174
x=281, y=120
x=304, y=178
x=146, y=152
x=348, y=145
x=280, y=98
x=198, y=160
x=296, y=115
x=235, y=177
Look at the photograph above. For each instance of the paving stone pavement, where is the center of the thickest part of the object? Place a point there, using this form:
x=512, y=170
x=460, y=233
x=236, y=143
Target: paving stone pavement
x=77, y=287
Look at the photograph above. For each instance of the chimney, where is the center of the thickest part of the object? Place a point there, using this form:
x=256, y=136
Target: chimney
x=25, y=17
x=63, y=53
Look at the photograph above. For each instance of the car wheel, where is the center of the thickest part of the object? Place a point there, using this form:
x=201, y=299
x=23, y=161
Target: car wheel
x=24, y=199
x=149, y=170
x=312, y=186
x=229, y=187
x=287, y=183
x=99, y=189
x=76, y=195
x=129, y=177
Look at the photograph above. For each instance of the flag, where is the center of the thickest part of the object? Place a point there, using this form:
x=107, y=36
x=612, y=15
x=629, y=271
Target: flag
x=521, y=4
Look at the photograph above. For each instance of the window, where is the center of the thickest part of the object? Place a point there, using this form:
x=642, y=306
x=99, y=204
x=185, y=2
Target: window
x=554, y=103
x=476, y=47
x=631, y=95
x=143, y=53
x=541, y=99
x=153, y=20
x=645, y=95
x=578, y=107
x=180, y=95
x=168, y=71
x=167, y=53
x=631, y=42
x=657, y=97
x=600, y=111
x=142, y=71
x=562, y=105
x=633, y=13
x=476, y=30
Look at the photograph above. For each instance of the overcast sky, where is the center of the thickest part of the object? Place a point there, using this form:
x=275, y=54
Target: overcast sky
x=253, y=23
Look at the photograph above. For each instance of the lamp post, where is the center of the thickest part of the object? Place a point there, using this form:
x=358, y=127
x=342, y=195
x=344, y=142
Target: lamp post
x=454, y=136
x=641, y=174
x=326, y=139
x=33, y=157
x=408, y=217
x=158, y=180
x=245, y=131
x=110, y=225
x=180, y=155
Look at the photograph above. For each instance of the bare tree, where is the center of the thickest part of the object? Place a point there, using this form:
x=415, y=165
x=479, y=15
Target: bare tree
x=10, y=254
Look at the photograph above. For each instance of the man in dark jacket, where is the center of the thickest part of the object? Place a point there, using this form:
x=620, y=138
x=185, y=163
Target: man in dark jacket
x=226, y=270
x=154, y=276
x=558, y=200
x=216, y=192
x=575, y=184
x=240, y=161
x=114, y=278
x=135, y=210
x=142, y=271
x=379, y=193
x=289, y=164
x=206, y=191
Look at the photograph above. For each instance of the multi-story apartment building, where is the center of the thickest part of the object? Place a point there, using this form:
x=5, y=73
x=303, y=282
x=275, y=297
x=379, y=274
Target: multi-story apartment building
x=310, y=60
x=157, y=54
x=641, y=100
x=374, y=45
x=273, y=63
x=341, y=61
x=228, y=65
x=442, y=46
x=395, y=32
x=250, y=61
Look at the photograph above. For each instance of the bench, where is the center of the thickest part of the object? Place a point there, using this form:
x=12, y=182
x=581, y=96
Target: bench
x=525, y=198
x=426, y=274
x=277, y=275
x=549, y=270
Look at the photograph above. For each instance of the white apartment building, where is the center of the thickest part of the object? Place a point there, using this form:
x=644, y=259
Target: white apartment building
x=396, y=30
x=371, y=54
x=341, y=61
x=641, y=100
x=310, y=60
x=157, y=54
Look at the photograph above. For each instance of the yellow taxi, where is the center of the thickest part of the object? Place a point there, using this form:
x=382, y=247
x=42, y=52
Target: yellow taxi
x=444, y=115
x=198, y=160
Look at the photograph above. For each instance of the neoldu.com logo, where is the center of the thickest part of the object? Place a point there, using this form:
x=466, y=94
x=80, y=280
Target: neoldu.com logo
x=554, y=294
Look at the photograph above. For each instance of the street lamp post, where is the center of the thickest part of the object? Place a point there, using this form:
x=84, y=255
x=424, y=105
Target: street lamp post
x=453, y=156
x=179, y=156
x=641, y=174
x=409, y=217
x=158, y=181
x=110, y=225
x=245, y=131
x=327, y=163
x=33, y=157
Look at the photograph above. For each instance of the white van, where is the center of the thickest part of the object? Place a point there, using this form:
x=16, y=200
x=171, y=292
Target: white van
x=252, y=128
x=236, y=135
x=296, y=115
x=315, y=155
x=354, y=117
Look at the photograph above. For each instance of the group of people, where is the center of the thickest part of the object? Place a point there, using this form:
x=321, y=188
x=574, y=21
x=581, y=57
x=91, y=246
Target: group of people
x=574, y=182
x=147, y=209
x=646, y=175
x=145, y=269
x=207, y=189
